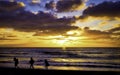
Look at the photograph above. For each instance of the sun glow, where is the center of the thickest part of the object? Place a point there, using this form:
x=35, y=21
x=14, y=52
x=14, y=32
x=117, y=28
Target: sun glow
x=65, y=41
x=74, y=32
x=70, y=32
x=61, y=42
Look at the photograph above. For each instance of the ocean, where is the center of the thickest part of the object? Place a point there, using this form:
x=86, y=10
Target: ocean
x=83, y=59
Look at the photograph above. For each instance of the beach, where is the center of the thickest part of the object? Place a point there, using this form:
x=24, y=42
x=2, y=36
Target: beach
x=20, y=71
x=82, y=59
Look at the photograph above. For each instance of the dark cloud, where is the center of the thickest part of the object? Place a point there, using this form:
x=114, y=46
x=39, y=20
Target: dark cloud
x=68, y=5
x=96, y=34
x=7, y=36
x=114, y=29
x=111, y=9
x=27, y=21
x=50, y=5
x=113, y=33
x=7, y=39
x=112, y=0
x=6, y=6
x=55, y=30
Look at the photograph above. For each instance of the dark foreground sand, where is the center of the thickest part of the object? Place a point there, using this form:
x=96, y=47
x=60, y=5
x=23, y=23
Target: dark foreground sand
x=13, y=71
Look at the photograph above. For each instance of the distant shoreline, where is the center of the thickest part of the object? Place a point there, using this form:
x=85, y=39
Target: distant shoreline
x=57, y=47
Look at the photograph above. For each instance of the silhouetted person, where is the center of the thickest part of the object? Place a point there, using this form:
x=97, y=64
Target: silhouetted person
x=46, y=64
x=16, y=62
x=31, y=62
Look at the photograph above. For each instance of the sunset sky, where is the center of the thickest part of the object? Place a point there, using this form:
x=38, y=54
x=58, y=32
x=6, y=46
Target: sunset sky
x=59, y=23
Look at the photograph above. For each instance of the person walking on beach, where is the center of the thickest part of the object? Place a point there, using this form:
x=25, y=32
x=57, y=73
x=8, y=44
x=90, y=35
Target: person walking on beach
x=16, y=62
x=46, y=64
x=31, y=62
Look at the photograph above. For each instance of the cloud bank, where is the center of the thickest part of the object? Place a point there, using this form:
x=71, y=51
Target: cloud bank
x=22, y=20
x=111, y=9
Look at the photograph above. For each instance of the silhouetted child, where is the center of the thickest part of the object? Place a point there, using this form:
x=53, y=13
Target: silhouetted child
x=31, y=62
x=16, y=62
x=46, y=64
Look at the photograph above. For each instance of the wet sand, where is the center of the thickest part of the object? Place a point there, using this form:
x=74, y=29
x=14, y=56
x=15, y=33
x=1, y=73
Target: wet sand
x=18, y=71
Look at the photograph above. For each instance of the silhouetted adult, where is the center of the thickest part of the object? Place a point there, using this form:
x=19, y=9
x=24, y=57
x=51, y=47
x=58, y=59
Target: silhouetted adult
x=46, y=64
x=31, y=62
x=16, y=62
